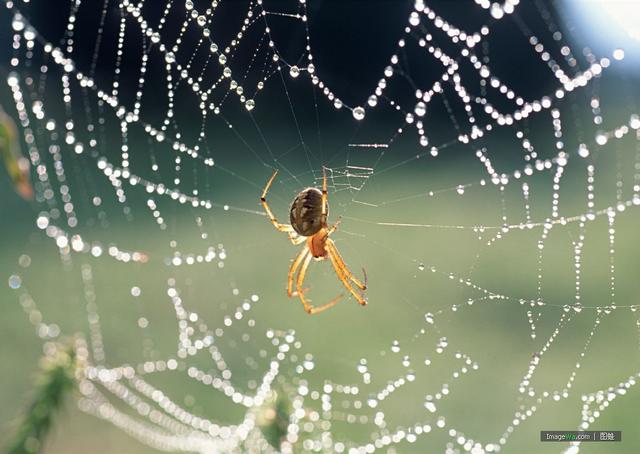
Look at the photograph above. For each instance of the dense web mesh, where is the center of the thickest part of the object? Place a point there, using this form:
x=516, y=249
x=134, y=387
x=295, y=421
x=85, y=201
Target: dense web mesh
x=487, y=207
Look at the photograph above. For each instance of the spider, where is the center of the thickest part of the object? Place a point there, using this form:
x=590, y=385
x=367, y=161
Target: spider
x=308, y=218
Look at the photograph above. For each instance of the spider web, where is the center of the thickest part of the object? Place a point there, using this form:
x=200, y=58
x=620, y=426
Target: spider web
x=488, y=210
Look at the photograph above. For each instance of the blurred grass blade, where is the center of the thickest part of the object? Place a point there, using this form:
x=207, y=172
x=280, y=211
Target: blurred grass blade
x=56, y=380
x=273, y=419
x=17, y=165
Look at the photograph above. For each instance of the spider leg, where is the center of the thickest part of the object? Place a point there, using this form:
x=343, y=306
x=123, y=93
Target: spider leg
x=293, y=236
x=294, y=268
x=318, y=309
x=300, y=291
x=324, y=191
x=334, y=227
x=300, y=280
x=333, y=250
x=344, y=274
x=296, y=239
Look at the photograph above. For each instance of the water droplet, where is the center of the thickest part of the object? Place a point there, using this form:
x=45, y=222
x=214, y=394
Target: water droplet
x=414, y=19
x=373, y=100
x=24, y=261
x=358, y=113
x=15, y=281
x=618, y=54
x=496, y=11
x=421, y=267
x=249, y=105
x=420, y=109
x=17, y=23
x=170, y=57
x=294, y=71
x=30, y=34
x=222, y=59
x=583, y=151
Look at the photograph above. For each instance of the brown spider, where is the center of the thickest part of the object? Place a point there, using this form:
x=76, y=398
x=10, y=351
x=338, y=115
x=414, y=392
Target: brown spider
x=308, y=219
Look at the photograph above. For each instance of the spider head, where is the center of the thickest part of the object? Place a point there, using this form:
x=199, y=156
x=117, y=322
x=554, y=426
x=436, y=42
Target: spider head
x=306, y=216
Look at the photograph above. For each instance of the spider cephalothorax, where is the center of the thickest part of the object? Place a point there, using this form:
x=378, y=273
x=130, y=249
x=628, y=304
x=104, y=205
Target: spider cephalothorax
x=308, y=217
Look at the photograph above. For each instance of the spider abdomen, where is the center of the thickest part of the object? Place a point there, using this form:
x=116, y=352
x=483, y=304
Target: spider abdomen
x=306, y=216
